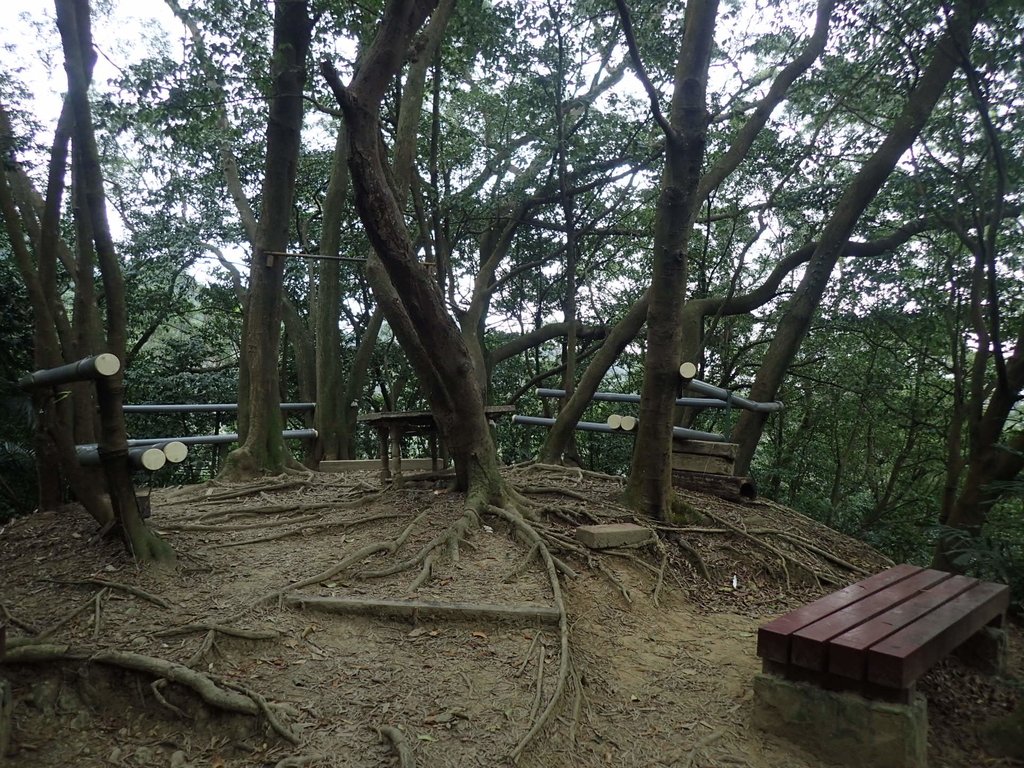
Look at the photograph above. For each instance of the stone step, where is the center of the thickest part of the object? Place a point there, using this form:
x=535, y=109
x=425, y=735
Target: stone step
x=612, y=535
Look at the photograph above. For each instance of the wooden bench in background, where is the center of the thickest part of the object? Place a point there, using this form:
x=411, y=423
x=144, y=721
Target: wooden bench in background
x=877, y=637
x=391, y=426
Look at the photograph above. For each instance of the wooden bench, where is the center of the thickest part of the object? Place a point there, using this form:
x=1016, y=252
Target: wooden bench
x=391, y=426
x=878, y=636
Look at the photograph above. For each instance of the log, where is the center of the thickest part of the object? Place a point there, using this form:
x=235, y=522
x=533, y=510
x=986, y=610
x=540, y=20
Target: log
x=628, y=423
x=420, y=608
x=695, y=462
x=175, y=451
x=141, y=457
x=688, y=372
x=614, y=421
x=723, y=486
x=95, y=367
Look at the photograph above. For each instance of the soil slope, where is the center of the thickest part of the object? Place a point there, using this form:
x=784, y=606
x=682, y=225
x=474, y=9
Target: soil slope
x=212, y=664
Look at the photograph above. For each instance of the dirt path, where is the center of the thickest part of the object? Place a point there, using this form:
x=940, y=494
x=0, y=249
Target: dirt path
x=661, y=685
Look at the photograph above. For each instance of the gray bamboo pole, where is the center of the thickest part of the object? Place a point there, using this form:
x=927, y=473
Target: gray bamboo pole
x=141, y=457
x=230, y=437
x=619, y=397
x=593, y=426
x=94, y=367
x=205, y=407
x=710, y=390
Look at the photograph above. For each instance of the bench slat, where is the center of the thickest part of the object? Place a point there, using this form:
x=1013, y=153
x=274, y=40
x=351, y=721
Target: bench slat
x=901, y=658
x=809, y=647
x=847, y=653
x=773, y=638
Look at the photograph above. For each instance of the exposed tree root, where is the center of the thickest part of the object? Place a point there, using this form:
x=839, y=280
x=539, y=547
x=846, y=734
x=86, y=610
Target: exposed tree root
x=399, y=744
x=299, y=761
x=694, y=557
x=416, y=609
x=266, y=710
x=784, y=557
x=535, y=489
x=216, y=515
x=54, y=628
x=304, y=530
x=22, y=625
x=155, y=687
x=208, y=645
x=231, y=698
x=577, y=472
x=424, y=574
x=565, y=669
x=281, y=483
x=202, y=528
x=281, y=509
x=245, y=634
x=448, y=538
x=356, y=557
x=115, y=585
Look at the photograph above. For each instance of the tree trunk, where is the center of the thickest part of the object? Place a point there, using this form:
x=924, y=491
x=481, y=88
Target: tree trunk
x=620, y=336
x=331, y=410
x=947, y=56
x=356, y=382
x=434, y=344
x=73, y=20
x=263, y=449
x=650, y=477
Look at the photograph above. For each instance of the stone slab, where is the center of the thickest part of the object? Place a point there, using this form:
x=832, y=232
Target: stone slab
x=362, y=465
x=845, y=728
x=612, y=535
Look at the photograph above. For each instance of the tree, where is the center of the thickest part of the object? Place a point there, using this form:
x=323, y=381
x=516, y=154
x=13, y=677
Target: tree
x=947, y=55
x=262, y=448
x=65, y=420
x=650, y=483
x=417, y=312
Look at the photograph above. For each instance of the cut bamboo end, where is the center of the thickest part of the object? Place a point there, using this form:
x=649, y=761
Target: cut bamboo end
x=628, y=423
x=614, y=421
x=153, y=459
x=175, y=451
x=107, y=364
x=688, y=371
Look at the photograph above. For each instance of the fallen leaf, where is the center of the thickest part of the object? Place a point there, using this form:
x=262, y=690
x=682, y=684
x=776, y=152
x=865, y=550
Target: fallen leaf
x=480, y=634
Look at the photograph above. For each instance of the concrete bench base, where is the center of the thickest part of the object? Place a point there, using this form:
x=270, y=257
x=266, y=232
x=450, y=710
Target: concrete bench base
x=845, y=728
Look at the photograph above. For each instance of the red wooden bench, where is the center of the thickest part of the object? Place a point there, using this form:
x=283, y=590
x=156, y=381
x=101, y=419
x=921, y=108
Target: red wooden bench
x=878, y=636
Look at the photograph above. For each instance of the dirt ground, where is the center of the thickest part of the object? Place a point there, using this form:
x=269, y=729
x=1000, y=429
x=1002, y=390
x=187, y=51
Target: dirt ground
x=654, y=682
